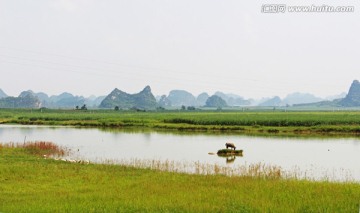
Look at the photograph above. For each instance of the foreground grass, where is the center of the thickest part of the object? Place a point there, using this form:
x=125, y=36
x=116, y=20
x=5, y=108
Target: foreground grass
x=250, y=122
x=30, y=183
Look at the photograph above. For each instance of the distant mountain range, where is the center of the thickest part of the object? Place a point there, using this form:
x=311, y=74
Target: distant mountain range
x=30, y=99
x=176, y=98
x=291, y=99
x=24, y=100
x=179, y=98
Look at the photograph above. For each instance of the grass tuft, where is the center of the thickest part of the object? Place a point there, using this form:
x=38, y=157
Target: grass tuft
x=229, y=152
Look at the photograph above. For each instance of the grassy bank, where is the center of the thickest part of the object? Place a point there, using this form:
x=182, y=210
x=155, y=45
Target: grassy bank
x=250, y=122
x=30, y=183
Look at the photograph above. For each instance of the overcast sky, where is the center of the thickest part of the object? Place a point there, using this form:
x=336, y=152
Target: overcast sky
x=92, y=46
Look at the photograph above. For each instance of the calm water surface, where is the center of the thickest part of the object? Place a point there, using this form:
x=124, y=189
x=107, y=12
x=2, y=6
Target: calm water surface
x=338, y=158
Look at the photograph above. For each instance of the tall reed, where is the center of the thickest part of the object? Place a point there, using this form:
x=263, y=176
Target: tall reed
x=258, y=170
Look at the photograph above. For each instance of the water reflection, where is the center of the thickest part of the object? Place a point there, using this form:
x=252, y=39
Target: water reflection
x=225, y=133
x=230, y=158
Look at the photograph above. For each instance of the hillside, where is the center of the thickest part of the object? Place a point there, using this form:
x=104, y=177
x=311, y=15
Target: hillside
x=233, y=99
x=2, y=94
x=300, y=98
x=215, y=101
x=352, y=99
x=201, y=99
x=164, y=101
x=25, y=100
x=275, y=101
x=142, y=100
x=181, y=97
x=64, y=100
x=94, y=101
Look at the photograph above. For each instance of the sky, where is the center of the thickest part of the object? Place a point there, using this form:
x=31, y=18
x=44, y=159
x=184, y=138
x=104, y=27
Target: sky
x=90, y=47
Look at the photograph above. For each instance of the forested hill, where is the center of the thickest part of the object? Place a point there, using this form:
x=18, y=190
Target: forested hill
x=142, y=100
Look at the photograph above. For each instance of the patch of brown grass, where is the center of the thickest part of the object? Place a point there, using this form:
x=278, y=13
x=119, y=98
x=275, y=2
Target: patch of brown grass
x=42, y=148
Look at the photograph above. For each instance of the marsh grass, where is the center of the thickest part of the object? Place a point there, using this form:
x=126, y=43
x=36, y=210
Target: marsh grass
x=249, y=122
x=257, y=170
x=29, y=183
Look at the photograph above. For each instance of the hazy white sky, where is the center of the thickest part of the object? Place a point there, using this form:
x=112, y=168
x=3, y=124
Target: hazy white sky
x=92, y=46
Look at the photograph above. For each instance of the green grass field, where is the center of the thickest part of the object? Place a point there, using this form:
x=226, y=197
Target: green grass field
x=30, y=183
x=252, y=122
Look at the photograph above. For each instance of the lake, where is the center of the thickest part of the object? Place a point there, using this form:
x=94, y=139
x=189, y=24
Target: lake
x=316, y=158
